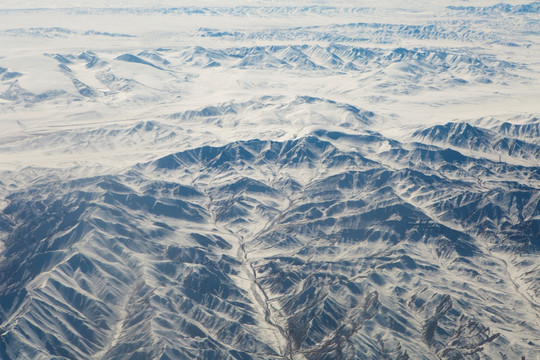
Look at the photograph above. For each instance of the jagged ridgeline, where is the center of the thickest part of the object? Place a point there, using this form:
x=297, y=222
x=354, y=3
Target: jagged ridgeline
x=271, y=250
x=331, y=181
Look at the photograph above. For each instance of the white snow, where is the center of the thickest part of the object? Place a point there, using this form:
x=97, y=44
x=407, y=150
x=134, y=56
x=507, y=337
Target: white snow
x=106, y=87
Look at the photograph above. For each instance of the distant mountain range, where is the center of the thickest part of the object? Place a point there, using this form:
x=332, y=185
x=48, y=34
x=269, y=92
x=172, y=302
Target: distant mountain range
x=272, y=181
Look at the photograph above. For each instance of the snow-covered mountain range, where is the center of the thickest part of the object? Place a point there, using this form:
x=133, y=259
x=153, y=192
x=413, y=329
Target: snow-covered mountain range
x=270, y=180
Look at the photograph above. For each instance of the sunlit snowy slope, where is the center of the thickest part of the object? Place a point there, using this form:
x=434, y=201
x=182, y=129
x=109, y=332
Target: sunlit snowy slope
x=269, y=180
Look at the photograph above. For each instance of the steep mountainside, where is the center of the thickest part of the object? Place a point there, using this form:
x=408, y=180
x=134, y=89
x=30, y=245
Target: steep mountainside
x=269, y=180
